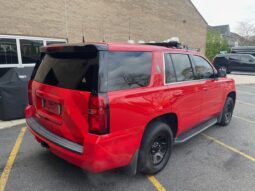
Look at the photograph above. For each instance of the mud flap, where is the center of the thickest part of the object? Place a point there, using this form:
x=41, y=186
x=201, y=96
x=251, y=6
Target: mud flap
x=131, y=169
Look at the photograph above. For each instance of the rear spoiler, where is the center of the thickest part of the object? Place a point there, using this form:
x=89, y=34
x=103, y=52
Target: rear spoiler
x=62, y=48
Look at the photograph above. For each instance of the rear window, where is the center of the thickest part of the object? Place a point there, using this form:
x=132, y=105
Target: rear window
x=78, y=71
x=128, y=70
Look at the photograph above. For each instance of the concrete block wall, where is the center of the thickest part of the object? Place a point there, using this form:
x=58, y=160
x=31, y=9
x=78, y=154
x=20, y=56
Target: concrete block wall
x=149, y=20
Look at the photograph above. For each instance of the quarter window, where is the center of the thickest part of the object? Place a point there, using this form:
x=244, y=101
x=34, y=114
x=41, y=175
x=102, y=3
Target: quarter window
x=182, y=67
x=128, y=70
x=8, y=51
x=169, y=70
x=203, y=69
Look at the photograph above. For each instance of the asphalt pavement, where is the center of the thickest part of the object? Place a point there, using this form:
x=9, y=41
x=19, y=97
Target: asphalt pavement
x=222, y=158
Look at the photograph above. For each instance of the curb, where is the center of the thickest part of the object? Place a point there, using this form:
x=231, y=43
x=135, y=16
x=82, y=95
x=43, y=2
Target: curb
x=10, y=124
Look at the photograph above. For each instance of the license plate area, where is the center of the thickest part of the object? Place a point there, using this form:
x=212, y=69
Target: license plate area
x=51, y=106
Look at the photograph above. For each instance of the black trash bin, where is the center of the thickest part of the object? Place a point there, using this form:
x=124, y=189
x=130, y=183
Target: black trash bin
x=13, y=95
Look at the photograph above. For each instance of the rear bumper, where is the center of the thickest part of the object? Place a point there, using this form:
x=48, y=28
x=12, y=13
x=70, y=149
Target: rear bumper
x=64, y=143
x=97, y=154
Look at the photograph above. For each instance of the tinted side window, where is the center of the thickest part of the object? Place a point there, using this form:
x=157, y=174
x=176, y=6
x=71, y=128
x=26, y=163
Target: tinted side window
x=169, y=69
x=182, y=67
x=246, y=58
x=128, y=70
x=234, y=57
x=203, y=68
x=8, y=51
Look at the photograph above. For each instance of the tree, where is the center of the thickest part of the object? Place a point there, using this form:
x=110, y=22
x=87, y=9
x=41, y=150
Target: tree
x=246, y=29
x=214, y=44
x=247, y=32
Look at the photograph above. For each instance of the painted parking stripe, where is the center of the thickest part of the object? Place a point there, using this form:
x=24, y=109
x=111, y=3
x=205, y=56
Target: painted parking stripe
x=229, y=147
x=156, y=183
x=244, y=92
x=252, y=86
x=11, y=159
x=244, y=119
x=245, y=103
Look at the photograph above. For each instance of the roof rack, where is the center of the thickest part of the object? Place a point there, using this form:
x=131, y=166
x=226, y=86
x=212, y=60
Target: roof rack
x=170, y=44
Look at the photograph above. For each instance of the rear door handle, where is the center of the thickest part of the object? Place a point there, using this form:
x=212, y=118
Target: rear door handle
x=178, y=93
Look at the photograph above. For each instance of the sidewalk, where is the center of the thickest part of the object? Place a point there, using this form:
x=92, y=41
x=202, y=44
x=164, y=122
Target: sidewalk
x=7, y=124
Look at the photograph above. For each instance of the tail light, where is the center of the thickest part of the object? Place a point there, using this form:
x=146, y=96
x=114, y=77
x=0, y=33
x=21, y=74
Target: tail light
x=30, y=101
x=98, y=114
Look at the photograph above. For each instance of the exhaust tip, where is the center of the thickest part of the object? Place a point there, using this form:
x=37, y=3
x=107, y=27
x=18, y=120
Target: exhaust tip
x=44, y=145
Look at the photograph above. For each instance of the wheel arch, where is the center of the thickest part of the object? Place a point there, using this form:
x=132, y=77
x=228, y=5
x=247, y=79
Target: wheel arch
x=168, y=118
x=232, y=95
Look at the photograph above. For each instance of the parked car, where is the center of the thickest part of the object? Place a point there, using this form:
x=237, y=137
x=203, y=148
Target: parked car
x=244, y=50
x=107, y=105
x=235, y=62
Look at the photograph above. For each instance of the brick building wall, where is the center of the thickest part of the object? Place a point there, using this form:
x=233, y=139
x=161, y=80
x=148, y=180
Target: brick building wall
x=149, y=20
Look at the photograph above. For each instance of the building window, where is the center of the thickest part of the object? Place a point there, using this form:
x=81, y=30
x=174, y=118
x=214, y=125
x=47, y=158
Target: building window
x=22, y=51
x=30, y=50
x=8, y=51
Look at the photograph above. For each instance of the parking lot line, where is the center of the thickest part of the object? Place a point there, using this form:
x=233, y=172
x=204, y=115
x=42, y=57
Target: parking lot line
x=244, y=92
x=229, y=147
x=156, y=183
x=11, y=159
x=244, y=119
x=247, y=86
x=245, y=103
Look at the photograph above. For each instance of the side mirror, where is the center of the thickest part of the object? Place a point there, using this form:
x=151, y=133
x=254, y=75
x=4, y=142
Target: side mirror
x=222, y=73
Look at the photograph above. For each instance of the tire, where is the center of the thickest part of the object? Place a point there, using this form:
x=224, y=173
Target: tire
x=156, y=148
x=227, y=112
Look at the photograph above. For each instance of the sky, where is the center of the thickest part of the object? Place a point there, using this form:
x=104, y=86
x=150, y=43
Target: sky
x=220, y=12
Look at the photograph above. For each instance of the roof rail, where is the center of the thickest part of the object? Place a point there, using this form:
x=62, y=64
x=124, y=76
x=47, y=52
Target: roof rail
x=171, y=44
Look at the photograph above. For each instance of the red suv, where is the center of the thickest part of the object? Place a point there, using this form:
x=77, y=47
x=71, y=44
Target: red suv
x=107, y=105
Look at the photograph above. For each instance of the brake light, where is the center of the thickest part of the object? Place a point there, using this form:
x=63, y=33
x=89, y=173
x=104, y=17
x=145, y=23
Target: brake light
x=98, y=114
x=30, y=100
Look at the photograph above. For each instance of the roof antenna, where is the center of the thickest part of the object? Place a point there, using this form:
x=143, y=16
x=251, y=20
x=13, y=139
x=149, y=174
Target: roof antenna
x=103, y=33
x=129, y=32
x=83, y=36
x=129, y=35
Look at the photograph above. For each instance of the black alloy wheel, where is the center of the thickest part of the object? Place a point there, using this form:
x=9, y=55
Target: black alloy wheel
x=156, y=148
x=227, y=112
